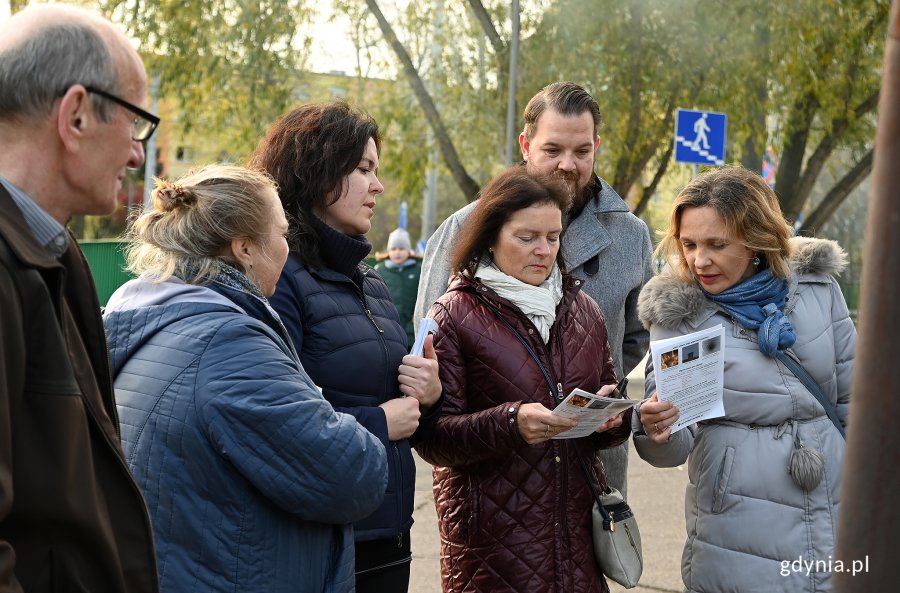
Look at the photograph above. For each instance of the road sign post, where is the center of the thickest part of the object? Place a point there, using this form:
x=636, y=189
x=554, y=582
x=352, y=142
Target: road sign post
x=700, y=137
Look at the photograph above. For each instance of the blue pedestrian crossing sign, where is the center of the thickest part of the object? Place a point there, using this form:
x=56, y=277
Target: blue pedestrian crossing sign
x=700, y=137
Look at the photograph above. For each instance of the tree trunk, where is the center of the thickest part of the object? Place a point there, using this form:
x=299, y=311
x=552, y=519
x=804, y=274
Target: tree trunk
x=836, y=196
x=485, y=19
x=448, y=151
x=501, y=55
x=791, y=162
x=651, y=189
x=622, y=181
x=756, y=140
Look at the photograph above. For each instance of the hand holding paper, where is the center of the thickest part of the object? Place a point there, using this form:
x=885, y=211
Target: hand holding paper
x=658, y=417
x=418, y=374
x=426, y=326
x=689, y=372
x=592, y=411
x=538, y=424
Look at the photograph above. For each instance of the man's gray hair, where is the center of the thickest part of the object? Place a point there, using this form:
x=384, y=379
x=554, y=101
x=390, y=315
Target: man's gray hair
x=40, y=69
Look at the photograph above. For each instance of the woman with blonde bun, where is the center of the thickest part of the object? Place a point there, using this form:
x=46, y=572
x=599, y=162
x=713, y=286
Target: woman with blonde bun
x=234, y=447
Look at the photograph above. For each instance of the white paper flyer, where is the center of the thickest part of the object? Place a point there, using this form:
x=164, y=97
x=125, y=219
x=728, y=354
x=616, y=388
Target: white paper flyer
x=690, y=371
x=590, y=410
x=426, y=326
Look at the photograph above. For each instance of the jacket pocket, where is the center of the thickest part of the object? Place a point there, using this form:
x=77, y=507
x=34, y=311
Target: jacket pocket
x=721, y=484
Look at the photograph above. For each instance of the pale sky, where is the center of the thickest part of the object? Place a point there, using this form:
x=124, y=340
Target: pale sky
x=332, y=48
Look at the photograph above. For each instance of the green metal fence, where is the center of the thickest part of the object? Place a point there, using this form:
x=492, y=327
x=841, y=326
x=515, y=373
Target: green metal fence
x=106, y=258
x=107, y=261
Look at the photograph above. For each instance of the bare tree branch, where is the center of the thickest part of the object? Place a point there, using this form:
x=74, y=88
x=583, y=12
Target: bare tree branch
x=448, y=151
x=648, y=192
x=836, y=196
x=826, y=147
x=489, y=30
x=795, y=180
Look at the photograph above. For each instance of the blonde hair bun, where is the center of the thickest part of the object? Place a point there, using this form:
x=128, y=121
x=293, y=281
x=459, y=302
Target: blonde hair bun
x=170, y=196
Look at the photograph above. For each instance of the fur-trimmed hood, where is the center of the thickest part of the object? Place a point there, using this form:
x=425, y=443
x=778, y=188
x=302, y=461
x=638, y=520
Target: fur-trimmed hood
x=668, y=301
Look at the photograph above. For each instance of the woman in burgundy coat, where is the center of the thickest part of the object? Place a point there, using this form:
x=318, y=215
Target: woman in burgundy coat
x=513, y=503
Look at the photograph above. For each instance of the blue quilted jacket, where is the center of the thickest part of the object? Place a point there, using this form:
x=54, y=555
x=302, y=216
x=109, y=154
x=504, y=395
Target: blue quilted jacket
x=251, y=478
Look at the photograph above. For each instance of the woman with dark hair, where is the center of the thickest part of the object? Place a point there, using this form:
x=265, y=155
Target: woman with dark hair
x=516, y=335
x=339, y=313
x=765, y=479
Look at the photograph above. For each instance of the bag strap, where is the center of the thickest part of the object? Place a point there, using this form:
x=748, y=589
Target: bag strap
x=554, y=391
x=813, y=387
x=607, y=519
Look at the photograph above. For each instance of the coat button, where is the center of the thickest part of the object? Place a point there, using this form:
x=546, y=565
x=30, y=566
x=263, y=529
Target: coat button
x=511, y=410
x=531, y=331
x=512, y=420
x=556, y=526
x=557, y=459
x=578, y=283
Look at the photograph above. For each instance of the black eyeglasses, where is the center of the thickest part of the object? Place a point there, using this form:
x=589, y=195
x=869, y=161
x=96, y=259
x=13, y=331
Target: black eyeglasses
x=144, y=124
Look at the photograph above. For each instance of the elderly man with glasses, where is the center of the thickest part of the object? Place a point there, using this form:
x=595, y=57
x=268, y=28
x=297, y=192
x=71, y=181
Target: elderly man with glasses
x=71, y=515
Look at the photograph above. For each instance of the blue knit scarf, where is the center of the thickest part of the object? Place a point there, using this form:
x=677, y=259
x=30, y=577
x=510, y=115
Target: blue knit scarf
x=758, y=303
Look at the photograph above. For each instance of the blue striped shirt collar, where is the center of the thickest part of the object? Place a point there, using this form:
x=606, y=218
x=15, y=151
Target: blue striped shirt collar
x=46, y=229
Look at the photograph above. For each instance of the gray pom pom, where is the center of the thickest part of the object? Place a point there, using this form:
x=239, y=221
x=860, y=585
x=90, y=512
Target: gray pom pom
x=807, y=467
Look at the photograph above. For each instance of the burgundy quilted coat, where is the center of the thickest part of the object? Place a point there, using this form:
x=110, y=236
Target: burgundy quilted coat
x=514, y=517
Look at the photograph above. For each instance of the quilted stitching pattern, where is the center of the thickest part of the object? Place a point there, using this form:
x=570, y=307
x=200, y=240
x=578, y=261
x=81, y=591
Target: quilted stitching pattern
x=355, y=360
x=235, y=452
x=514, y=517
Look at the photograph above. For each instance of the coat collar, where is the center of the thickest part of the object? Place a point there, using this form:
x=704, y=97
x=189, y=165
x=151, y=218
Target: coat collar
x=19, y=237
x=669, y=302
x=585, y=235
x=340, y=252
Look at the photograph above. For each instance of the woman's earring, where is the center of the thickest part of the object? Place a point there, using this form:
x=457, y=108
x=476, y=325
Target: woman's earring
x=756, y=261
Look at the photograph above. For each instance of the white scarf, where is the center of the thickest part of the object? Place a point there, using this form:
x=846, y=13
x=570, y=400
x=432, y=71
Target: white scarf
x=538, y=303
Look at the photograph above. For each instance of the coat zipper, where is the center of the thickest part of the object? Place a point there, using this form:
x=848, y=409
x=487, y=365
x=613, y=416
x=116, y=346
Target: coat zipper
x=384, y=354
x=386, y=565
x=371, y=318
x=561, y=449
x=399, y=492
x=394, y=446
